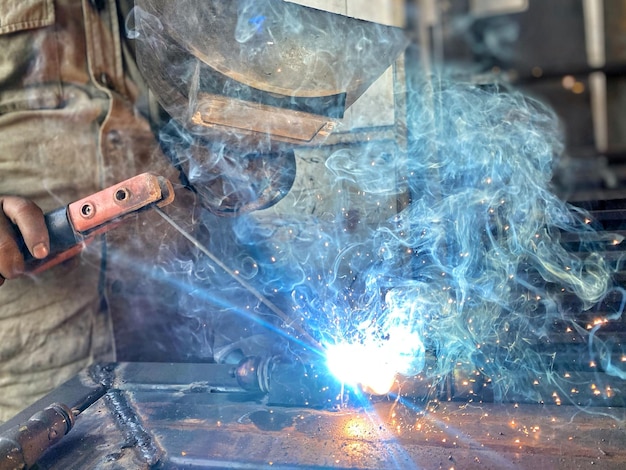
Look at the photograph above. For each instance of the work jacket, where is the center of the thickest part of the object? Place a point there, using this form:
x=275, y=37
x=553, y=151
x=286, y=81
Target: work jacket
x=68, y=127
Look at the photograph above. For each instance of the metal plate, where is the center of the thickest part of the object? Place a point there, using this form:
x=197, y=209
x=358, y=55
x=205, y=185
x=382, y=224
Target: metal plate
x=156, y=416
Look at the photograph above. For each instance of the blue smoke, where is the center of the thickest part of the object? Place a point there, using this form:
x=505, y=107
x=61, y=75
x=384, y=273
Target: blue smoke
x=471, y=272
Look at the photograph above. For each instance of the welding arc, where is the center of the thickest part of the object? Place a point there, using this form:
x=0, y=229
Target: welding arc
x=264, y=300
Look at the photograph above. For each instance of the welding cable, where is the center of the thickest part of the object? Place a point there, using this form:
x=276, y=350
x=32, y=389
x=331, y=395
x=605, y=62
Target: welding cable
x=290, y=322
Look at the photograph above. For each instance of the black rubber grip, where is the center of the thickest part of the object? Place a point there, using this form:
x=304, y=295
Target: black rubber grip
x=62, y=236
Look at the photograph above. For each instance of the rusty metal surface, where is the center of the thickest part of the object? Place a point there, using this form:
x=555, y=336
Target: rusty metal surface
x=183, y=422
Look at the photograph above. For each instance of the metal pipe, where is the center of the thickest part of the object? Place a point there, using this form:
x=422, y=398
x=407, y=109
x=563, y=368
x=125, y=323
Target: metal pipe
x=22, y=445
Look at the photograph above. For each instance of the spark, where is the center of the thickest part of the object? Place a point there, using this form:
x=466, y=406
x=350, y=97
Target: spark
x=360, y=364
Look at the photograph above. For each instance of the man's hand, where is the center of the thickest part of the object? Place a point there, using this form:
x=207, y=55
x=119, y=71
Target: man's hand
x=21, y=218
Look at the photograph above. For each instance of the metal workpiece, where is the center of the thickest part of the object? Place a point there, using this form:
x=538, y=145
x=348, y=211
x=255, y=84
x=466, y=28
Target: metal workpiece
x=273, y=380
x=293, y=414
x=22, y=446
x=38, y=428
x=170, y=416
x=253, y=373
x=179, y=378
x=291, y=382
x=234, y=430
x=119, y=387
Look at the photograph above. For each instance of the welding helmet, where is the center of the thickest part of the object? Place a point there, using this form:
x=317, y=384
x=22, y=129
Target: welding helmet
x=245, y=82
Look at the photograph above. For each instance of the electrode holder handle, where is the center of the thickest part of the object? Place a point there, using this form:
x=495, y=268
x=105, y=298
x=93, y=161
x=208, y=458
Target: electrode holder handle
x=72, y=227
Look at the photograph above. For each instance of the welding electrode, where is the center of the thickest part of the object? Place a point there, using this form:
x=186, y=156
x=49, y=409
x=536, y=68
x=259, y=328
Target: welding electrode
x=292, y=323
x=21, y=446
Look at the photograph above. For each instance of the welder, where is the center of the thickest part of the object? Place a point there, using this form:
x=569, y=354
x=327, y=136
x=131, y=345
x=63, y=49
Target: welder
x=75, y=118
x=93, y=92
x=68, y=127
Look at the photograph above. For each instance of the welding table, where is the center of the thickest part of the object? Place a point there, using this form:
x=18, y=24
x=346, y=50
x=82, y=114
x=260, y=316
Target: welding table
x=153, y=415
